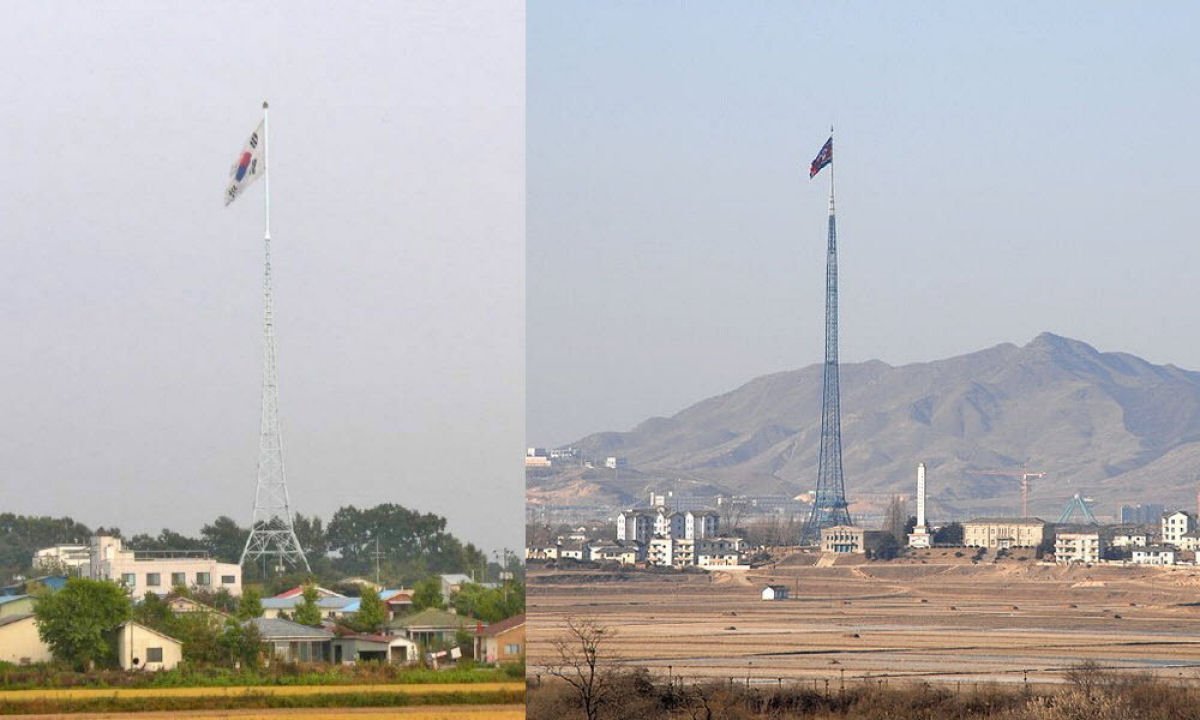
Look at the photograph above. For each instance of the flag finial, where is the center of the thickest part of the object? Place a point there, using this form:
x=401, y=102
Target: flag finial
x=265, y=107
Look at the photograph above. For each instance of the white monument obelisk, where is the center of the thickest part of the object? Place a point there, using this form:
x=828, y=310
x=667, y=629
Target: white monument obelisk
x=919, y=538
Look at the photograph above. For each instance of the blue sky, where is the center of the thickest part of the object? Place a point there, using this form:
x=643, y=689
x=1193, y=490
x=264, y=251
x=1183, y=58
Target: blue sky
x=1002, y=169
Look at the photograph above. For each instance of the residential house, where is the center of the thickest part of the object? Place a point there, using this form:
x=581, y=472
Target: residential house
x=354, y=647
x=1078, y=547
x=1175, y=525
x=293, y=642
x=20, y=643
x=999, y=533
x=636, y=525
x=501, y=642
x=431, y=627
x=183, y=605
x=1153, y=555
x=1129, y=536
x=143, y=648
x=452, y=582
x=16, y=605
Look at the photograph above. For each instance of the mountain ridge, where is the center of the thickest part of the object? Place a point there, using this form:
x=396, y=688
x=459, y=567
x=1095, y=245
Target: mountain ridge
x=1107, y=424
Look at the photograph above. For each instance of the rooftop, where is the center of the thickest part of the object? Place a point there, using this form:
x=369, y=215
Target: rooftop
x=503, y=626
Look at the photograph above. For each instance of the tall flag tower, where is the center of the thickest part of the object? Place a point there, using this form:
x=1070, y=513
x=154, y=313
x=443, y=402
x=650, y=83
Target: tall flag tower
x=272, y=533
x=829, y=506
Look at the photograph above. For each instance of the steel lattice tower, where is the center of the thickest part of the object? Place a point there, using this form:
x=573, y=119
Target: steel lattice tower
x=829, y=506
x=272, y=534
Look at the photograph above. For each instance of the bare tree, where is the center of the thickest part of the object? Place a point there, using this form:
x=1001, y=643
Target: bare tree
x=581, y=664
x=896, y=518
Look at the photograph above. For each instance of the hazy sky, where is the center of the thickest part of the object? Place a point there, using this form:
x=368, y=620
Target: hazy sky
x=1002, y=169
x=130, y=298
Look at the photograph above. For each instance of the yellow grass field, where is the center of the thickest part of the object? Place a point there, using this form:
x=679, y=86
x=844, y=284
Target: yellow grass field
x=936, y=618
x=417, y=689
x=450, y=712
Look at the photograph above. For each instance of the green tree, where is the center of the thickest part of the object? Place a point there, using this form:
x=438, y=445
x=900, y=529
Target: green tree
x=372, y=613
x=250, y=605
x=240, y=645
x=79, y=622
x=307, y=612
x=428, y=593
x=949, y=534
x=224, y=538
x=154, y=612
x=21, y=535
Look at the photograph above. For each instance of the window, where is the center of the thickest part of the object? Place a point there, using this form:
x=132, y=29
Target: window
x=128, y=579
x=228, y=580
x=154, y=655
x=178, y=579
x=203, y=579
x=512, y=649
x=153, y=579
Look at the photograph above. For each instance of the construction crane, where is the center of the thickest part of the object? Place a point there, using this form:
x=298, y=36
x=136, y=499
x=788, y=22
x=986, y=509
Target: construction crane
x=1024, y=474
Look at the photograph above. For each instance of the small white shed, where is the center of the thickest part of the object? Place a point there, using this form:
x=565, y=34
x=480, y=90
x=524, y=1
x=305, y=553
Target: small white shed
x=775, y=592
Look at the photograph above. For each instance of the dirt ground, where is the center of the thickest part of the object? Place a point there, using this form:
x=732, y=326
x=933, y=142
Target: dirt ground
x=936, y=618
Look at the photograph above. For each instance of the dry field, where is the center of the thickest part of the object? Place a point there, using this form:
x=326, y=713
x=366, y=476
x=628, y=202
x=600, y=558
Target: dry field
x=410, y=688
x=939, y=619
x=453, y=712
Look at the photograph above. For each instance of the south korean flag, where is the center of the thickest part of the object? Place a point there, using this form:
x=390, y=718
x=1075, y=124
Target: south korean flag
x=251, y=163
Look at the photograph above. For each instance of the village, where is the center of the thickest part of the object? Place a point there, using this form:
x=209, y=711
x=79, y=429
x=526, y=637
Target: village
x=153, y=610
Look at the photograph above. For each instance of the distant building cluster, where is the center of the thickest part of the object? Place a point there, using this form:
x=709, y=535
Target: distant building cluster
x=653, y=537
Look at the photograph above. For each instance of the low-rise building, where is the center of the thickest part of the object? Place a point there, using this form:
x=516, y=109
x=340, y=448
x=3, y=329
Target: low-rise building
x=16, y=605
x=1153, y=555
x=160, y=571
x=501, y=642
x=293, y=642
x=1129, y=537
x=20, y=643
x=843, y=539
x=350, y=648
x=431, y=627
x=1078, y=547
x=59, y=557
x=143, y=648
x=998, y=533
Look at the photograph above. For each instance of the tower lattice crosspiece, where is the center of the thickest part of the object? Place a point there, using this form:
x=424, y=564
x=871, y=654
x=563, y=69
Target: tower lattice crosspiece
x=272, y=533
x=829, y=506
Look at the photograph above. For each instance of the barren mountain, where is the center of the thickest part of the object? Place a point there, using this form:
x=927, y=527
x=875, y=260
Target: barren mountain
x=1108, y=425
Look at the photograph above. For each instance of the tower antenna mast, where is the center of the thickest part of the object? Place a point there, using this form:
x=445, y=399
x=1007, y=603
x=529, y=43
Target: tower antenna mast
x=272, y=531
x=829, y=506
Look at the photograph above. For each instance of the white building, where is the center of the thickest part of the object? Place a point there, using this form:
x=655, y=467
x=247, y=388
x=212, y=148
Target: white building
x=613, y=463
x=160, y=571
x=636, y=525
x=1154, y=555
x=775, y=592
x=1078, y=547
x=1003, y=533
x=1175, y=525
x=1130, y=537
x=69, y=556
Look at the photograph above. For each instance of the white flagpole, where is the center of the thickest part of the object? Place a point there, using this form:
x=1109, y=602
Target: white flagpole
x=266, y=174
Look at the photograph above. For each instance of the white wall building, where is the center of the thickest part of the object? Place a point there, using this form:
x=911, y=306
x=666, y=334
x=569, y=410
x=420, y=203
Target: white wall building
x=69, y=556
x=142, y=648
x=1175, y=525
x=159, y=572
x=1154, y=555
x=1081, y=547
